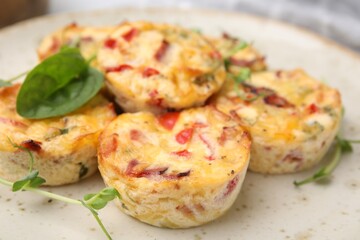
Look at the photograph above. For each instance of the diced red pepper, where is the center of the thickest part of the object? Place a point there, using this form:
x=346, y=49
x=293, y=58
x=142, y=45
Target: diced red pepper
x=183, y=153
x=148, y=72
x=128, y=36
x=120, y=68
x=216, y=55
x=162, y=50
x=168, y=120
x=155, y=100
x=32, y=145
x=231, y=185
x=109, y=145
x=135, y=135
x=312, y=108
x=110, y=43
x=184, y=136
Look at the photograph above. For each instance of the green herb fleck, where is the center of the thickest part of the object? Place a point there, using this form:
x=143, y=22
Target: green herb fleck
x=237, y=48
x=64, y=131
x=204, y=79
x=83, y=171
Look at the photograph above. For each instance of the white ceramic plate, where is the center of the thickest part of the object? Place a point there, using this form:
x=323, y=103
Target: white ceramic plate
x=268, y=207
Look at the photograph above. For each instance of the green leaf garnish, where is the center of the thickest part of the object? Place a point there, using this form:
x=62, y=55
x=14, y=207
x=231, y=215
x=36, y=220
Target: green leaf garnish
x=342, y=146
x=93, y=201
x=243, y=75
x=59, y=85
x=32, y=180
x=99, y=200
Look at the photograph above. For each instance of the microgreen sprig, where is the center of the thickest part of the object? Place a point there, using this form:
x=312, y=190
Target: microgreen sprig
x=341, y=146
x=32, y=179
x=93, y=201
x=8, y=82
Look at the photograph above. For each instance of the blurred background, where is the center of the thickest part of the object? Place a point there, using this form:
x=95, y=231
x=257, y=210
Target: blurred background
x=335, y=19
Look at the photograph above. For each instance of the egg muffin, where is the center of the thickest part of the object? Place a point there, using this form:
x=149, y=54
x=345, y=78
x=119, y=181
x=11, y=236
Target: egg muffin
x=156, y=67
x=238, y=54
x=87, y=39
x=175, y=170
x=64, y=148
x=292, y=118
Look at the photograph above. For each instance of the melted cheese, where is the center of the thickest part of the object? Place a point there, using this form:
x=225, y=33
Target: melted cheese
x=166, y=67
x=190, y=174
x=295, y=114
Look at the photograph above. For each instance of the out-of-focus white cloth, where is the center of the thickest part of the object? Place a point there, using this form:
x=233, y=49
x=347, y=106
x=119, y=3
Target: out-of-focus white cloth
x=336, y=19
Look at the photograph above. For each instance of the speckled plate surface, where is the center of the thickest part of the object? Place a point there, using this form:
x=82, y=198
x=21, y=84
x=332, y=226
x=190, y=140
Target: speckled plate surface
x=268, y=207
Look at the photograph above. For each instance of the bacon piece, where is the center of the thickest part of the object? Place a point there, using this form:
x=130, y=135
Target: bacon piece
x=162, y=50
x=110, y=145
x=175, y=176
x=151, y=172
x=13, y=122
x=183, y=153
x=241, y=62
x=148, y=72
x=200, y=125
x=130, y=170
x=185, y=210
x=128, y=36
x=110, y=43
x=135, y=135
x=228, y=36
x=226, y=134
x=32, y=145
x=293, y=156
x=208, y=145
x=231, y=185
x=257, y=90
x=87, y=39
x=184, y=136
x=216, y=55
x=277, y=101
x=130, y=167
x=120, y=68
x=183, y=174
x=312, y=108
x=168, y=120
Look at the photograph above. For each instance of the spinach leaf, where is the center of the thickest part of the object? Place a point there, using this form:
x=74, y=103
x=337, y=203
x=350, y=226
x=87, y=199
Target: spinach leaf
x=59, y=85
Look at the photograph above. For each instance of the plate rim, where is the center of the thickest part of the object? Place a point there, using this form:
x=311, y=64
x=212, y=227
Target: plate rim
x=196, y=10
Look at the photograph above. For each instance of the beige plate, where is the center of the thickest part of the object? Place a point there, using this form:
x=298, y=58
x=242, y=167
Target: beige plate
x=269, y=207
